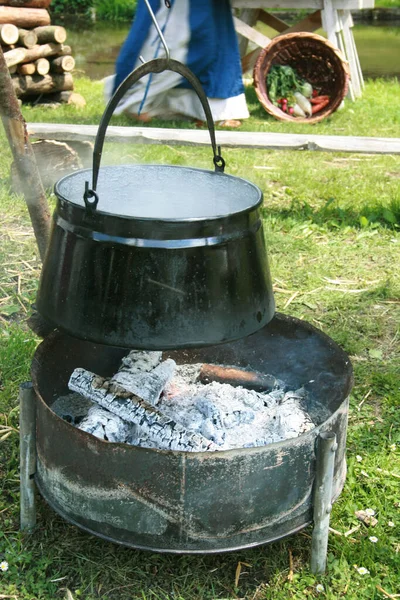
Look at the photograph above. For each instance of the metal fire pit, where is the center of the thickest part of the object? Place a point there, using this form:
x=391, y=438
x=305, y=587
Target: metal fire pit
x=185, y=502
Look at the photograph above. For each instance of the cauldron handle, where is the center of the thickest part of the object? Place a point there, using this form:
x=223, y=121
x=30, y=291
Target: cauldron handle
x=157, y=65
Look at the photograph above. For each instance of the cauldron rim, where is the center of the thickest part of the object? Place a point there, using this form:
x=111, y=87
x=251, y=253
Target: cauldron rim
x=211, y=218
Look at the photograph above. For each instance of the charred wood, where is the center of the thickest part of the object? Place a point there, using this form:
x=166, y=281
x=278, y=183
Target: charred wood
x=154, y=426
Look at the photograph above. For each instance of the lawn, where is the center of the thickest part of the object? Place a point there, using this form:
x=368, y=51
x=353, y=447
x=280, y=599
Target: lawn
x=332, y=224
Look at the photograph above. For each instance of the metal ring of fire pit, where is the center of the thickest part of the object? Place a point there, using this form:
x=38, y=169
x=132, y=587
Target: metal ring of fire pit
x=184, y=502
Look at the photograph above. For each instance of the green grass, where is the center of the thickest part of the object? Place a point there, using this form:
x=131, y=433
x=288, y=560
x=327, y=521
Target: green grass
x=332, y=228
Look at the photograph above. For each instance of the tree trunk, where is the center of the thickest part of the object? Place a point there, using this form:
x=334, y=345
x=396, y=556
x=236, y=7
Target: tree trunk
x=54, y=160
x=17, y=135
x=27, y=38
x=51, y=33
x=8, y=34
x=24, y=17
x=62, y=64
x=36, y=84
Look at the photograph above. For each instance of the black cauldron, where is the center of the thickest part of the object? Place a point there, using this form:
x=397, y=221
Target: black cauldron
x=153, y=256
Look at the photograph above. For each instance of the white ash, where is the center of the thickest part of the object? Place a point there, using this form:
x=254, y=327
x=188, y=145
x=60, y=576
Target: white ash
x=147, y=378
x=105, y=425
x=173, y=410
x=140, y=362
x=233, y=417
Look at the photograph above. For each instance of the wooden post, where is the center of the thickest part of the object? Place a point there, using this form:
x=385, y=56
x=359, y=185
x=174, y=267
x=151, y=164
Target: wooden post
x=326, y=449
x=17, y=135
x=27, y=436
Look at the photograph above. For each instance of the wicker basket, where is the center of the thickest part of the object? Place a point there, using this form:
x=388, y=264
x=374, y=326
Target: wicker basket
x=315, y=59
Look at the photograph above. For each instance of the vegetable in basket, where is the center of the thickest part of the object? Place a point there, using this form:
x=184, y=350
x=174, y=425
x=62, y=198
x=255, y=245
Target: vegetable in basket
x=292, y=94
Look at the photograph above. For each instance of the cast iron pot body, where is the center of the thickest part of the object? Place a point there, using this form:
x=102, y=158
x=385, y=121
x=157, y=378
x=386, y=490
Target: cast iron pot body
x=192, y=502
x=155, y=256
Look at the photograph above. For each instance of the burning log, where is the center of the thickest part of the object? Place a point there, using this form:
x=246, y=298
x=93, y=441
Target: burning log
x=24, y=17
x=27, y=38
x=51, y=33
x=251, y=380
x=154, y=426
x=8, y=34
x=36, y=84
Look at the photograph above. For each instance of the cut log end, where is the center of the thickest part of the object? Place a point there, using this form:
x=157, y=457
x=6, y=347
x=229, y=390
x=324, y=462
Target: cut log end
x=8, y=34
x=42, y=66
x=63, y=64
x=26, y=69
x=27, y=38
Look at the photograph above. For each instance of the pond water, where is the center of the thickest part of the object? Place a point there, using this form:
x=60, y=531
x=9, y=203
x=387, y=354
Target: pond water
x=96, y=47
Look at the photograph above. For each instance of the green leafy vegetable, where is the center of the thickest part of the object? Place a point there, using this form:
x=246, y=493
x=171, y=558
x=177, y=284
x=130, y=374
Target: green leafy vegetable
x=282, y=82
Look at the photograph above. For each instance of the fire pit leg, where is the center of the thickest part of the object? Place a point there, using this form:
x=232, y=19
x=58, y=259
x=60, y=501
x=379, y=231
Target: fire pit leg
x=27, y=436
x=326, y=449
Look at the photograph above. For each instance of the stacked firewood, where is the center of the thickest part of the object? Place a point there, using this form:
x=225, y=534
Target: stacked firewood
x=35, y=52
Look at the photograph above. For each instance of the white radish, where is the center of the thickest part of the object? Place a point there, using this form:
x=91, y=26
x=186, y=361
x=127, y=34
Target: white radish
x=298, y=111
x=304, y=104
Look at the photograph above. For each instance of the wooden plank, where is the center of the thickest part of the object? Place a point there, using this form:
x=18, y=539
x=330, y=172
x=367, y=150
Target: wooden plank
x=250, y=60
x=330, y=22
x=310, y=23
x=295, y=4
x=350, y=51
x=227, y=139
x=251, y=34
x=272, y=21
x=250, y=17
